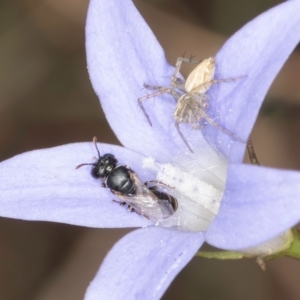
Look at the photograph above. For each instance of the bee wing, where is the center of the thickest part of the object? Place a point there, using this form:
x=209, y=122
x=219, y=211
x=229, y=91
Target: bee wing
x=189, y=217
x=200, y=79
x=147, y=205
x=144, y=202
x=139, y=186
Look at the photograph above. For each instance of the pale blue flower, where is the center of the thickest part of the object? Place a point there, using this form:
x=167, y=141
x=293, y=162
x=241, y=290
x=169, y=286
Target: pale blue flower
x=259, y=203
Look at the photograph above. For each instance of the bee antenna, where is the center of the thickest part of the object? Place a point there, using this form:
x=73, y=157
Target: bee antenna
x=89, y=164
x=95, y=143
x=79, y=166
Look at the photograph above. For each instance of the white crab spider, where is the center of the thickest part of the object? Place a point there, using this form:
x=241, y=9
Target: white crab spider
x=190, y=96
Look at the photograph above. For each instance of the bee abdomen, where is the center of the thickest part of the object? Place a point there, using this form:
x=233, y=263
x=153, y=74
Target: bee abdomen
x=119, y=180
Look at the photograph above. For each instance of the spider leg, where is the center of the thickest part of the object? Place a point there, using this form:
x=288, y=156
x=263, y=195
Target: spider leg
x=178, y=65
x=213, y=123
x=161, y=91
x=251, y=152
x=182, y=136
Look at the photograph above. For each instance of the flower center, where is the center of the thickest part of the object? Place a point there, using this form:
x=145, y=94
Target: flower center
x=197, y=182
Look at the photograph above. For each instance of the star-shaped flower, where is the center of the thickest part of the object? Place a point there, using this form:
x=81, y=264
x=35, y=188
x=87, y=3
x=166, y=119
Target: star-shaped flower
x=259, y=203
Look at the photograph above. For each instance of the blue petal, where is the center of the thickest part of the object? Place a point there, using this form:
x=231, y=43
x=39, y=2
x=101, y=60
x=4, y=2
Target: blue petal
x=259, y=204
x=44, y=185
x=258, y=51
x=123, y=55
x=143, y=264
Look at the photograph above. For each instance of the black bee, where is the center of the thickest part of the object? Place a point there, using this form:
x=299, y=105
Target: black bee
x=146, y=199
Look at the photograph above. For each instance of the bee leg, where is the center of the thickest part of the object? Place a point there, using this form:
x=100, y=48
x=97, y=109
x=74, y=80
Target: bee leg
x=130, y=208
x=122, y=203
x=150, y=182
x=156, y=183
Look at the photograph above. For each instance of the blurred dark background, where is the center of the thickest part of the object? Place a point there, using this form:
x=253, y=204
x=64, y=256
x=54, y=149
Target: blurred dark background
x=46, y=99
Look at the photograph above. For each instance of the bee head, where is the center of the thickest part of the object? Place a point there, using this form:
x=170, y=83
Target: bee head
x=104, y=165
